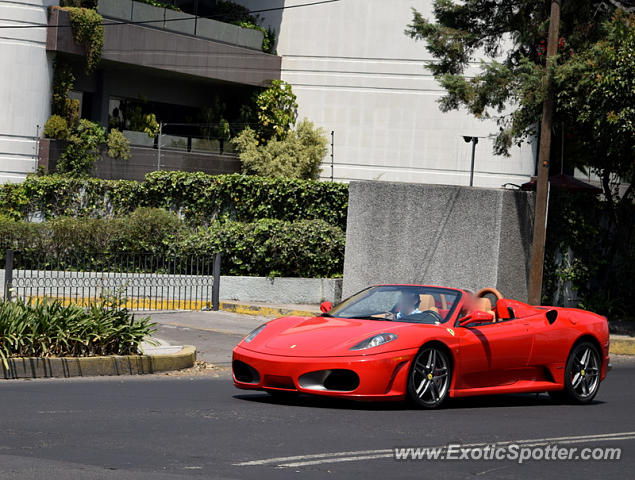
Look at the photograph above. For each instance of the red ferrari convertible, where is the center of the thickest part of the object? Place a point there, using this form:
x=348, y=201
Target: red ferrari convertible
x=425, y=343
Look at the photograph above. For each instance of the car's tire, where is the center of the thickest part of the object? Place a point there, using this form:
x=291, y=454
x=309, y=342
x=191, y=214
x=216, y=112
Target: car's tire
x=429, y=377
x=582, y=375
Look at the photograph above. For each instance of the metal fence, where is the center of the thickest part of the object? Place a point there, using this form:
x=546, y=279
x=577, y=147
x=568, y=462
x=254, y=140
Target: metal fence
x=139, y=281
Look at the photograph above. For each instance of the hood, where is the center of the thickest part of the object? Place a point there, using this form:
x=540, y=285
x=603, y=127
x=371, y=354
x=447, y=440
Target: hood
x=327, y=336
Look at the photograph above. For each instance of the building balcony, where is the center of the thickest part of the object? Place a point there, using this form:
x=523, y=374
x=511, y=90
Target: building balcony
x=173, y=42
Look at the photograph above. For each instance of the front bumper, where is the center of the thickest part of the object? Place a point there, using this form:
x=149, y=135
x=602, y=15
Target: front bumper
x=382, y=376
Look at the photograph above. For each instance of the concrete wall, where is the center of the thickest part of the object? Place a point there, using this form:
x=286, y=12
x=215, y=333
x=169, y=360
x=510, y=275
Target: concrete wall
x=281, y=290
x=25, y=86
x=439, y=235
x=355, y=72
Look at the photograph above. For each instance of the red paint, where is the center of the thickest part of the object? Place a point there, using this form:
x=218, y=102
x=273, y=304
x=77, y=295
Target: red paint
x=525, y=353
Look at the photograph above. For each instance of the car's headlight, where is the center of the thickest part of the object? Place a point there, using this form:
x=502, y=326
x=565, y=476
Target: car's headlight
x=253, y=333
x=375, y=341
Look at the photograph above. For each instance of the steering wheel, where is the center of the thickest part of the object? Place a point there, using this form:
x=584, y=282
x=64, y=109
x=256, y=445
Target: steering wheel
x=484, y=291
x=437, y=317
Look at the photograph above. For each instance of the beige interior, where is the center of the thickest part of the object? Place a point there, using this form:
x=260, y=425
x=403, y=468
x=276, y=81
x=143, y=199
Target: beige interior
x=426, y=302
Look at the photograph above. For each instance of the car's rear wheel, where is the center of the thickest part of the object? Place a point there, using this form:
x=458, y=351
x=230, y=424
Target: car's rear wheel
x=429, y=377
x=582, y=374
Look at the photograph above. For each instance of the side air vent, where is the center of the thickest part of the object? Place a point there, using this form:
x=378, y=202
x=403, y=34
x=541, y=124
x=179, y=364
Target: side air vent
x=552, y=315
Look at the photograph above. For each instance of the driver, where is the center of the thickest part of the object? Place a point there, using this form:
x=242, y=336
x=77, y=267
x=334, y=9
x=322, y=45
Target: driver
x=408, y=305
x=469, y=303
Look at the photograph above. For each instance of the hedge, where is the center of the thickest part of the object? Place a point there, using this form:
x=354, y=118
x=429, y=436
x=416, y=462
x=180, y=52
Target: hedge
x=198, y=198
x=266, y=247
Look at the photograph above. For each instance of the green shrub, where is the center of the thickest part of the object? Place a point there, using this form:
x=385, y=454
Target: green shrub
x=277, y=111
x=306, y=248
x=46, y=328
x=56, y=127
x=83, y=149
x=297, y=155
x=148, y=230
x=118, y=145
x=198, y=198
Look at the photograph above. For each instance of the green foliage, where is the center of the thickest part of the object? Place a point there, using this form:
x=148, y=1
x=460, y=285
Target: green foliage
x=306, y=248
x=46, y=328
x=602, y=266
x=118, y=145
x=198, y=198
x=277, y=111
x=596, y=93
x=297, y=155
x=231, y=12
x=143, y=122
x=63, y=82
x=56, y=127
x=512, y=36
x=148, y=230
x=267, y=247
x=83, y=149
x=88, y=30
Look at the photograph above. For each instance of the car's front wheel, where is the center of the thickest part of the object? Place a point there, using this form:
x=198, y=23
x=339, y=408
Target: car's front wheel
x=429, y=377
x=582, y=374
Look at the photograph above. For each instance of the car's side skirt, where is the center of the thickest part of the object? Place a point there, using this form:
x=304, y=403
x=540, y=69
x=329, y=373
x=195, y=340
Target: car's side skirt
x=523, y=386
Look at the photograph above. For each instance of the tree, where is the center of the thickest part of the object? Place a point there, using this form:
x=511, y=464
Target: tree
x=509, y=87
x=297, y=155
x=277, y=111
x=594, y=113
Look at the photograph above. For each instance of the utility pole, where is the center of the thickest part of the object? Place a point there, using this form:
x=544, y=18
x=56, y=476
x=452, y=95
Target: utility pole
x=542, y=183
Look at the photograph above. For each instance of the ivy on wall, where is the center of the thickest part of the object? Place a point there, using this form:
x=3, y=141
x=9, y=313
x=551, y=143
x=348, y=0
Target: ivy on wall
x=88, y=31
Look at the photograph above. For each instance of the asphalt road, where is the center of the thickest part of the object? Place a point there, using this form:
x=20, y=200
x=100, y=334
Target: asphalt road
x=198, y=426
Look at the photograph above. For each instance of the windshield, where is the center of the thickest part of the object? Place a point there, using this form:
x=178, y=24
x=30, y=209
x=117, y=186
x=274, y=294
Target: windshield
x=403, y=303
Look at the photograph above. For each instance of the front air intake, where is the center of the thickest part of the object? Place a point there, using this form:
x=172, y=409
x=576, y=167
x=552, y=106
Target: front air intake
x=245, y=373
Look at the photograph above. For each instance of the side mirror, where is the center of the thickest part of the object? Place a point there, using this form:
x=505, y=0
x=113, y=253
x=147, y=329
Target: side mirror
x=326, y=307
x=477, y=316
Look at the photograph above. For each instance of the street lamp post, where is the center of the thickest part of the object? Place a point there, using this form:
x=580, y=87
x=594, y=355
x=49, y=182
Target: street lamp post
x=474, y=141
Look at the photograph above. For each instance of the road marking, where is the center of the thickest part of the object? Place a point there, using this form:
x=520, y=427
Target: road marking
x=353, y=456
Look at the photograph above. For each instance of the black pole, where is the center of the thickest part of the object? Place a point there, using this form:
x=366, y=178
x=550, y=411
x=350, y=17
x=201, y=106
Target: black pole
x=474, y=142
x=216, y=284
x=8, y=274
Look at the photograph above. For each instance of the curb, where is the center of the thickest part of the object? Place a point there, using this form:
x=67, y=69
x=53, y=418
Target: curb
x=265, y=310
x=622, y=345
x=64, y=367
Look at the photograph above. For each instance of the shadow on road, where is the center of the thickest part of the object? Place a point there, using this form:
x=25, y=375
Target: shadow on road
x=489, y=401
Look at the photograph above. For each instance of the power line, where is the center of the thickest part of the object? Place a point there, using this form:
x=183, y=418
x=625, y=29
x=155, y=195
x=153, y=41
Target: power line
x=144, y=22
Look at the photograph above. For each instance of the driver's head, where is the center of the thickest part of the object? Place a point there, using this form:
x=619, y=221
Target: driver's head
x=408, y=301
x=469, y=302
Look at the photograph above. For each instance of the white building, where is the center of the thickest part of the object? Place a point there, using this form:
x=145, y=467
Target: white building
x=356, y=73
x=353, y=69
x=25, y=85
